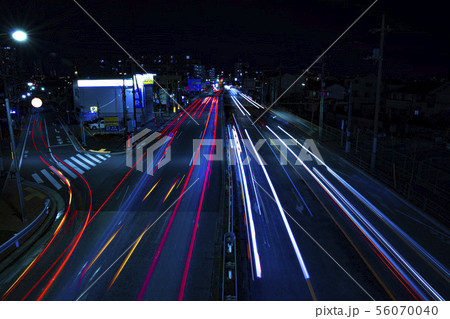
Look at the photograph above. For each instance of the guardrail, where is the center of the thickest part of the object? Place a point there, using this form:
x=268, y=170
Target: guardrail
x=229, y=281
x=229, y=266
x=15, y=240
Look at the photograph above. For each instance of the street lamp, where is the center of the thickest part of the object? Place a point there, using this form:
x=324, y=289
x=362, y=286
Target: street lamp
x=19, y=36
x=36, y=102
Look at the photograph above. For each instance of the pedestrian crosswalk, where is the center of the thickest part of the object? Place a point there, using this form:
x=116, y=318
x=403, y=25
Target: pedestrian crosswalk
x=51, y=179
x=79, y=170
x=37, y=178
x=66, y=170
x=86, y=160
x=86, y=167
x=77, y=164
x=93, y=158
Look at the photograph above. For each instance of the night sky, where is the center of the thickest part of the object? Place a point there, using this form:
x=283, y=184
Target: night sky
x=266, y=34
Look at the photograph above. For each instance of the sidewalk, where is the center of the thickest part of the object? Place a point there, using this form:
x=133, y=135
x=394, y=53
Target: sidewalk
x=10, y=215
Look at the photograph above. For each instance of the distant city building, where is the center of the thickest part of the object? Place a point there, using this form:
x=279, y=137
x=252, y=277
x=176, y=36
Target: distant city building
x=241, y=71
x=9, y=58
x=199, y=71
x=428, y=101
x=212, y=74
x=363, y=94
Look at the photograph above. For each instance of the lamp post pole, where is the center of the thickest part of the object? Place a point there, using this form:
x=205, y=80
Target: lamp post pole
x=17, y=36
x=16, y=164
x=349, y=120
x=13, y=146
x=377, y=99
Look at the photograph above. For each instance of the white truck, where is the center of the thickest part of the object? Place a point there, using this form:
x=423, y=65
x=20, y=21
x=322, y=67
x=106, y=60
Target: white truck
x=96, y=125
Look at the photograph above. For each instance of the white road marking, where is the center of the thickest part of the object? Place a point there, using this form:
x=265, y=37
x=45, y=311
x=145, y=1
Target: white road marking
x=79, y=170
x=103, y=158
x=93, y=158
x=51, y=179
x=68, y=171
x=80, y=163
x=37, y=178
x=86, y=160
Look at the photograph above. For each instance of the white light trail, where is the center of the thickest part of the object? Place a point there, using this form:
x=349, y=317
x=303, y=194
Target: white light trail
x=281, y=210
x=251, y=101
x=240, y=106
x=248, y=206
x=341, y=202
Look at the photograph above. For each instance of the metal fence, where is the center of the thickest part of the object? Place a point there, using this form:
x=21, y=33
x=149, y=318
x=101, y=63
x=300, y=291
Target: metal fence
x=422, y=183
x=16, y=241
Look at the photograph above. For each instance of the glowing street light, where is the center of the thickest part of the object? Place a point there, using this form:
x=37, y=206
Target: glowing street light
x=19, y=35
x=36, y=102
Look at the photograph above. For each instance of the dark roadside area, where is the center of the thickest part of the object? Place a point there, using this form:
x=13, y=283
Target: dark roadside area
x=34, y=198
x=403, y=163
x=10, y=212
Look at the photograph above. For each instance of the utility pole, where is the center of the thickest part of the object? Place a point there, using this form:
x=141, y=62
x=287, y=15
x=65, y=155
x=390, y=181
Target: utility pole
x=16, y=164
x=124, y=106
x=261, y=100
x=349, y=120
x=134, y=101
x=377, y=98
x=133, y=78
x=13, y=143
x=83, y=133
x=322, y=93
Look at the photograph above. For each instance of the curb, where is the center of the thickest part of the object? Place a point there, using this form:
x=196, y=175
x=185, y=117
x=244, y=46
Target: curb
x=57, y=205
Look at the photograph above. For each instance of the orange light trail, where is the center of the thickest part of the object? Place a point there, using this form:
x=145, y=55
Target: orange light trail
x=180, y=181
x=126, y=258
x=107, y=199
x=103, y=248
x=78, y=237
x=58, y=229
x=170, y=190
x=151, y=189
x=56, y=232
x=62, y=254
